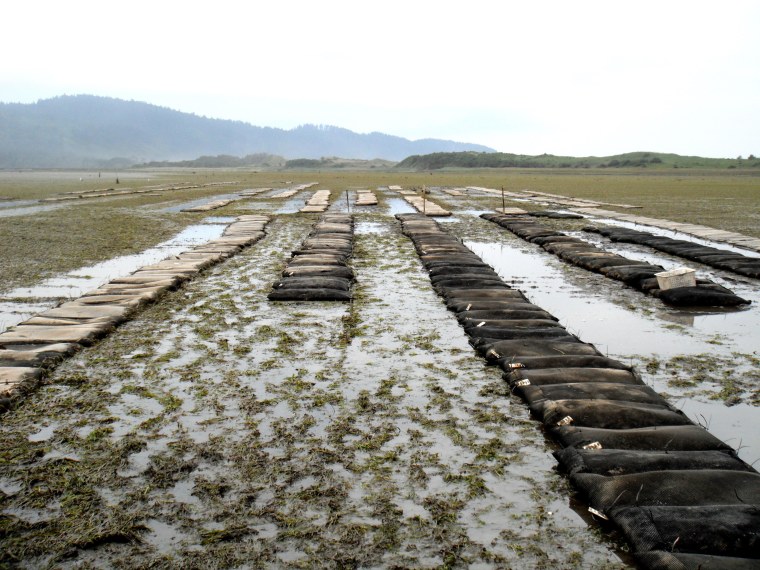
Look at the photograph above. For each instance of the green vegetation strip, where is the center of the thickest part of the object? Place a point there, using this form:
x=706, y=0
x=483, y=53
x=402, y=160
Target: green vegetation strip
x=653, y=160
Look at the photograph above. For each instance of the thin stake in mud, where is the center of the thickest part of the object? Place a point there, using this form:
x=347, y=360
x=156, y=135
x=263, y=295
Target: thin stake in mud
x=503, y=202
x=348, y=204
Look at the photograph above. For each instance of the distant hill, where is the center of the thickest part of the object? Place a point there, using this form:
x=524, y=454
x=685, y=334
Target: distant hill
x=438, y=160
x=258, y=160
x=88, y=131
x=263, y=160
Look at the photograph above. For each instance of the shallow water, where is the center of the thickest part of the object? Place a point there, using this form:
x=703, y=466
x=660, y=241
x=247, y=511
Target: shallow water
x=13, y=311
x=25, y=211
x=399, y=206
x=542, y=275
x=740, y=327
x=675, y=235
x=370, y=228
x=76, y=283
x=219, y=220
x=597, y=310
x=16, y=203
x=288, y=205
x=469, y=212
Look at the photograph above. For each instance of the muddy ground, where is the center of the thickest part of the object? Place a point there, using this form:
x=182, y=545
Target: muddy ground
x=218, y=429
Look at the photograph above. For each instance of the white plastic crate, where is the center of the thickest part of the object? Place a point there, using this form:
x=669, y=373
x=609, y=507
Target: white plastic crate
x=679, y=277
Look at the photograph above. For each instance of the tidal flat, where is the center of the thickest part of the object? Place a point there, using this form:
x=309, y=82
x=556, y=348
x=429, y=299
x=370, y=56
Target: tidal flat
x=217, y=428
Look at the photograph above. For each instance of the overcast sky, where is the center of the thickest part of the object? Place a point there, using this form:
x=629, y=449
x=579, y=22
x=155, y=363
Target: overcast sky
x=572, y=78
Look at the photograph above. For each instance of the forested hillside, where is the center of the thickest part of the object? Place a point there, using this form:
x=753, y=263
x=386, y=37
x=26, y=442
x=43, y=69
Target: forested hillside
x=88, y=131
x=629, y=160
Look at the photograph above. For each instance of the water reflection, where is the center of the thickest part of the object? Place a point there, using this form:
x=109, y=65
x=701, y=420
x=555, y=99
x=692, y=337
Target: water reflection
x=23, y=302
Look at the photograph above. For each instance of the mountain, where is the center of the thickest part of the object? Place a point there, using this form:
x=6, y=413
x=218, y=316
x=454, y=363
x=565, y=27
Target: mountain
x=88, y=131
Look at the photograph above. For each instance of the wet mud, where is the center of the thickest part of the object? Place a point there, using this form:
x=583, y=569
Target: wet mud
x=218, y=428
x=221, y=429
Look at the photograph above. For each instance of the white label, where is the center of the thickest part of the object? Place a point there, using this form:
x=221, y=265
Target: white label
x=566, y=421
x=593, y=445
x=481, y=324
x=599, y=514
x=468, y=307
x=493, y=353
x=514, y=365
x=525, y=382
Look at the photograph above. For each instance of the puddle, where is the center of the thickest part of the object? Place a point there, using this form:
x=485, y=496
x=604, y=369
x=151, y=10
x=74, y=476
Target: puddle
x=675, y=235
x=76, y=283
x=31, y=516
x=738, y=327
x=183, y=493
x=370, y=228
x=291, y=205
x=13, y=311
x=475, y=213
x=219, y=220
x=633, y=336
x=8, y=487
x=44, y=434
x=736, y=425
x=343, y=202
x=399, y=206
x=590, y=309
x=26, y=211
x=164, y=537
x=545, y=285
x=16, y=203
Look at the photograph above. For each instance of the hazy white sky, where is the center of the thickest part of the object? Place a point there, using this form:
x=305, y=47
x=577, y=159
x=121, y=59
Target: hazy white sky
x=574, y=78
